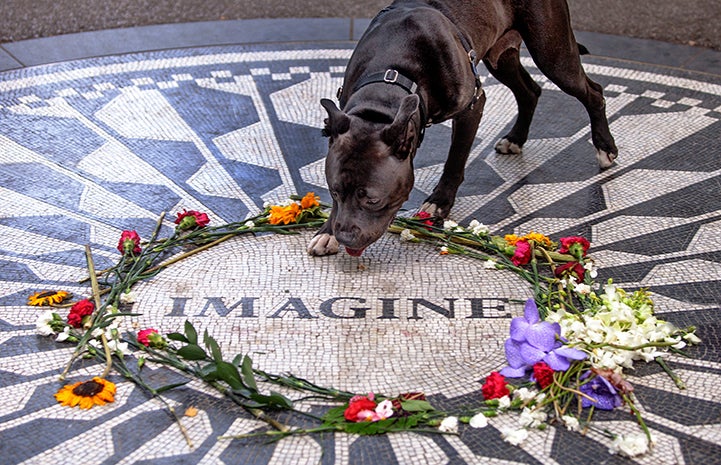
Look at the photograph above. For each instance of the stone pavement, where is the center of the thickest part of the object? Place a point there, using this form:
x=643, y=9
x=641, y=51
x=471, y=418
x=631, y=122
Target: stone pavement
x=101, y=132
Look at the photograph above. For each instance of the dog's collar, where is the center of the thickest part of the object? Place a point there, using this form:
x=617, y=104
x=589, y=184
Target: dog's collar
x=394, y=77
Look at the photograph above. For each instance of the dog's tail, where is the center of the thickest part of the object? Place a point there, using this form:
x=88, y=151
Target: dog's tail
x=582, y=50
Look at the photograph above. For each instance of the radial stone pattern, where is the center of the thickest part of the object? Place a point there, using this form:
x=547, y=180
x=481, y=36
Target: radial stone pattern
x=92, y=147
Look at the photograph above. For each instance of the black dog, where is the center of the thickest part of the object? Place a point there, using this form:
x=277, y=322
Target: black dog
x=416, y=65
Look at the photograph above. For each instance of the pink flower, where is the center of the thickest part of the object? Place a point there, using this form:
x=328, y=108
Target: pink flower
x=522, y=255
x=575, y=245
x=143, y=336
x=129, y=243
x=188, y=219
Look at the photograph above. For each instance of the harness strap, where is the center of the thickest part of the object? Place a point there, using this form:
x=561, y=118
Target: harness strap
x=393, y=77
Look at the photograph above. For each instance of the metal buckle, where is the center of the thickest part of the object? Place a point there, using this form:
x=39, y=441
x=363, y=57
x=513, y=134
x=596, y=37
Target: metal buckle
x=391, y=76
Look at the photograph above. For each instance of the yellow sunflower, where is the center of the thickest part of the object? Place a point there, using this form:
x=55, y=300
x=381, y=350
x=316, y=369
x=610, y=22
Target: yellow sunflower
x=87, y=394
x=48, y=298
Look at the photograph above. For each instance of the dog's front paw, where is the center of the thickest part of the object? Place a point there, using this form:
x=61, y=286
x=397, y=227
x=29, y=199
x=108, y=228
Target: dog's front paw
x=507, y=147
x=433, y=210
x=605, y=159
x=323, y=244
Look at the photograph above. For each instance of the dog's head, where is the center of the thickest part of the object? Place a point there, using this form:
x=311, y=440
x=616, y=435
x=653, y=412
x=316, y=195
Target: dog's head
x=369, y=168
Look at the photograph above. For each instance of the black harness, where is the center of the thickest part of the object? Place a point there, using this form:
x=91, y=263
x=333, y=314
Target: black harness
x=394, y=77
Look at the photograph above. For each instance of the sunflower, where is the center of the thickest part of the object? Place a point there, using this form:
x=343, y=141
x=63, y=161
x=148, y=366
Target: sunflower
x=47, y=298
x=97, y=391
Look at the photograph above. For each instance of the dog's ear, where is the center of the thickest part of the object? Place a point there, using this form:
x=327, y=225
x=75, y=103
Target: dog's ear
x=337, y=122
x=402, y=134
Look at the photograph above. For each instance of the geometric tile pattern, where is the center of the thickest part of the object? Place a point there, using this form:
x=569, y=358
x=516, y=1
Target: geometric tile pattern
x=92, y=147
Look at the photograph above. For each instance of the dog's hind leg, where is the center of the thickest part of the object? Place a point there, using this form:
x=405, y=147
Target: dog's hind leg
x=503, y=62
x=557, y=56
x=465, y=126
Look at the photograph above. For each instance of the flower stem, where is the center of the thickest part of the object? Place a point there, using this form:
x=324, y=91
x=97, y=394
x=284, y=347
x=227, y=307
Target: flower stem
x=96, y=297
x=676, y=378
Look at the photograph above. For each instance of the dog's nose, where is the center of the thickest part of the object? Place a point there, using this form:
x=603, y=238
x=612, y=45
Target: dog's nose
x=347, y=234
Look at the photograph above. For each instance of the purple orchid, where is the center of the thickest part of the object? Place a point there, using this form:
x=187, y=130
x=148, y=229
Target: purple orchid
x=533, y=340
x=600, y=389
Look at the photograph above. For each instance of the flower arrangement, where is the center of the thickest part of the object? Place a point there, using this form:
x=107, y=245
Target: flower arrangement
x=568, y=350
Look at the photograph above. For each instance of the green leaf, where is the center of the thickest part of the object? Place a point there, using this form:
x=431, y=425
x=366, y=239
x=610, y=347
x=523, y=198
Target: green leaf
x=178, y=337
x=248, y=376
x=192, y=352
x=229, y=373
x=273, y=400
x=209, y=372
x=212, y=344
x=191, y=333
x=334, y=415
x=415, y=405
x=168, y=387
x=238, y=359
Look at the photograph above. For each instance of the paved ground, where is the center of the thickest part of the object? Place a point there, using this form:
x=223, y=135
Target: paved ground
x=100, y=132
x=694, y=22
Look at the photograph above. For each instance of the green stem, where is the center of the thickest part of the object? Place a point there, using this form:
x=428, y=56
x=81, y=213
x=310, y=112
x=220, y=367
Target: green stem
x=676, y=379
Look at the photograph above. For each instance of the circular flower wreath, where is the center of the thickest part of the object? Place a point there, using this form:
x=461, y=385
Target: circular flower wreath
x=568, y=350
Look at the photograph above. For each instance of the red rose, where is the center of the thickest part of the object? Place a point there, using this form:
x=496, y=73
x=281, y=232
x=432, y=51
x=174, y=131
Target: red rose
x=129, y=242
x=81, y=309
x=356, y=405
x=522, y=255
x=495, y=386
x=543, y=374
x=575, y=245
x=571, y=268
x=190, y=219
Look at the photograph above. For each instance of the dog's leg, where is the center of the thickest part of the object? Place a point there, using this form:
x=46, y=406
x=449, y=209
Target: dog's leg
x=465, y=126
x=557, y=56
x=505, y=66
x=324, y=241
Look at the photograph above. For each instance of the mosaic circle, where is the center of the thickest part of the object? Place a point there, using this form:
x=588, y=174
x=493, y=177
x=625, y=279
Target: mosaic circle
x=93, y=147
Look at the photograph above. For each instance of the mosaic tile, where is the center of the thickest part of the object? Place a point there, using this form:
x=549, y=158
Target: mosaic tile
x=92, y=147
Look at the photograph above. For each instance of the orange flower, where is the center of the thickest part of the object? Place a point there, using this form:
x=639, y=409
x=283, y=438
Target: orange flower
x=538, y=238
x=87, y=394
x=309, y=201
x=284, y=215
x=511, y=239
x=48, y=298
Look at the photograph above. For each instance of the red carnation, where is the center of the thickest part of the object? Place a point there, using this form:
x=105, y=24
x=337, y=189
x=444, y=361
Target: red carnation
x=129, y=242
x=495, y=386
x=188, y=219
x=425, y=216
x=543, y=374
x=143, y=336
x=575, y=245
x=522, y=255
x=572, y=268
x=356, y=405
x=80, y=310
